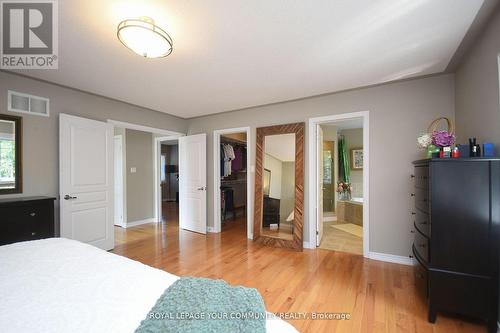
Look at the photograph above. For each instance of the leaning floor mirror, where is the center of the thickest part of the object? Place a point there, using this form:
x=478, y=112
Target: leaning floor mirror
x=279, y=186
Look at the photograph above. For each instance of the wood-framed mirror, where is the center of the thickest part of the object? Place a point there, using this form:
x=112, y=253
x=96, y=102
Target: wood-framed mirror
x=279, y=186
x=10, y=154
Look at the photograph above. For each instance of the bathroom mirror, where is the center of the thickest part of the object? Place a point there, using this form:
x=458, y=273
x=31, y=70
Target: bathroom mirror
x=279, y=186
x=10, y=154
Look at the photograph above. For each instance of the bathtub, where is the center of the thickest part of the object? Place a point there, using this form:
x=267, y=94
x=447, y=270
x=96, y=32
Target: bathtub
x=357, y=200
x=350, y=211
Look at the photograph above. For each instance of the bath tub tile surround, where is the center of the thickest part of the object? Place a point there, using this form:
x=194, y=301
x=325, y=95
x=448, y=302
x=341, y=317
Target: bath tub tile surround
x=350, y=211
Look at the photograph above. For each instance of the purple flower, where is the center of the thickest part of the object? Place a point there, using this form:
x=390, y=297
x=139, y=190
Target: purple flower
x=442, y=138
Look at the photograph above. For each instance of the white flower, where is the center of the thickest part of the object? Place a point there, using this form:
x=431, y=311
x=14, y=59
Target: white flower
x=424, y=140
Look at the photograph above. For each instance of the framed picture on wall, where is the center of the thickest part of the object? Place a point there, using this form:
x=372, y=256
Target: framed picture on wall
x=357, y=159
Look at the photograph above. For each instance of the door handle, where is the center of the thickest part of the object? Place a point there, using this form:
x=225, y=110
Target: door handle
x=203, y=188
x=69, y=197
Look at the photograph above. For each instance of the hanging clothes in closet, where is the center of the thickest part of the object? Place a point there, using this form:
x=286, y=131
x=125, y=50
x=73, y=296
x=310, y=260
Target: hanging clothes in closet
x=227, y=156
x=232, y=158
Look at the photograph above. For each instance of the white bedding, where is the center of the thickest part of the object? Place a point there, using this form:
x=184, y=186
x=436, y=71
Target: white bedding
x=60, y=285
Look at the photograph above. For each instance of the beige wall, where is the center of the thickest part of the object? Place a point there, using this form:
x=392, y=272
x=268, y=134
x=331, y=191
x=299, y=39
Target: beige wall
x=354, y=139
x=411, y=105
x=140, y=190
x=477, y=88
x=275, y=166
x=287, y=202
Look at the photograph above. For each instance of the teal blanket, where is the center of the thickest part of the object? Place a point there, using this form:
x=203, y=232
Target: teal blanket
x=205, y=305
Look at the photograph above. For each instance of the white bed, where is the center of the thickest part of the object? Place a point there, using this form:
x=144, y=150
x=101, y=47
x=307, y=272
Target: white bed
x=60, y=285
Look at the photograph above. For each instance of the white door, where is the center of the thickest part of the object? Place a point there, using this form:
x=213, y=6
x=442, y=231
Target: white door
x=118, y=164
x=193, y=183
x=86, y=180
x=319, y=145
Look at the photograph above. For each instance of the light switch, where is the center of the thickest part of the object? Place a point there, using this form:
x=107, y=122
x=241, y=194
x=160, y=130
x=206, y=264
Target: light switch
x=133, y=170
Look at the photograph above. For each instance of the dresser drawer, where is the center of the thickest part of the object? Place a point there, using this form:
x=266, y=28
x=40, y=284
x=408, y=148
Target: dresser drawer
x=422, y=222
x=422, y=177
x=26, y=221
x=421, y=244
x=421, y=280
x=40, y=220
x=422, y=199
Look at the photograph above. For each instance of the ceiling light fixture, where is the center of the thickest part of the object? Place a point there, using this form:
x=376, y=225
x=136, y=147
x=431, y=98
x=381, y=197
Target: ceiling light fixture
x=145, y=38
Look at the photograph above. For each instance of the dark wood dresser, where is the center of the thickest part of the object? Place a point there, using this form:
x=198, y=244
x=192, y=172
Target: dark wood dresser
x=456, y=223
x=27, y=218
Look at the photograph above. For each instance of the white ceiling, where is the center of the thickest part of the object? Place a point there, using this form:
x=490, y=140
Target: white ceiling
x=233, y=54
x=280, y=146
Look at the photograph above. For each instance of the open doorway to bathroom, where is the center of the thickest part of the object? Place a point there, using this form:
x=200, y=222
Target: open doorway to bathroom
x=340, y=183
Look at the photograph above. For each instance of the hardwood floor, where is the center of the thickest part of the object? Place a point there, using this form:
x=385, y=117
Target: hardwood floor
x=338, y=240
x=380, y=297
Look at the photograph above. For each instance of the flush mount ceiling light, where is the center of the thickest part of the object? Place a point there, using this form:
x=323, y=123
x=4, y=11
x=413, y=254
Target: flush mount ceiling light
x=145, y=38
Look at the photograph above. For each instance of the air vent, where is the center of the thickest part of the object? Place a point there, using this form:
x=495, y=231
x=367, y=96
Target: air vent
x=25, y=103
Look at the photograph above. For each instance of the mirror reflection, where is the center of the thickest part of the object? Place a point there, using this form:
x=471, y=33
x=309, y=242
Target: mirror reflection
x=7, y=154
x=279, y=186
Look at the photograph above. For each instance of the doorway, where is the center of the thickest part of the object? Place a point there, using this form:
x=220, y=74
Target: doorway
x=232, y=195
x=135, y=176
x=169, y=181
x=339, y=190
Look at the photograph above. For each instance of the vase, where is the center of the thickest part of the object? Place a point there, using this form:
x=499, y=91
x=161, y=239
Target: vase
x=432, y=149
x=345, y=196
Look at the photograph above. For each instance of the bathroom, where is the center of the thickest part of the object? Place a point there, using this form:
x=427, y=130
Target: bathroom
x=341, y=166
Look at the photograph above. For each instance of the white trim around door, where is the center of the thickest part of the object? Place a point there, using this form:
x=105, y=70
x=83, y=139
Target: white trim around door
x=156, y=162
x=120, y=181
x=312, y=173
x=216, y=176
x=142, y=128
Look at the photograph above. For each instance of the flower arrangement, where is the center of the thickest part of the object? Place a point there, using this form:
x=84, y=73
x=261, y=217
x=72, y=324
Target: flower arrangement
x=424, y=140
x=435, y=139
x=344, y=189
x=442, y=138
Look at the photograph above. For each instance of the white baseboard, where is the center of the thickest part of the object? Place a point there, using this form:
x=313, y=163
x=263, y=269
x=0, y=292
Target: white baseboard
x=136, y=223
x=391, y=258
x=211, y=229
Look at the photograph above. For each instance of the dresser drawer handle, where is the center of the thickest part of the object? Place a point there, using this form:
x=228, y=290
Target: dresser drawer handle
x=413, y=213
x=413, y=194
x=412, y=176
x=32, y=214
